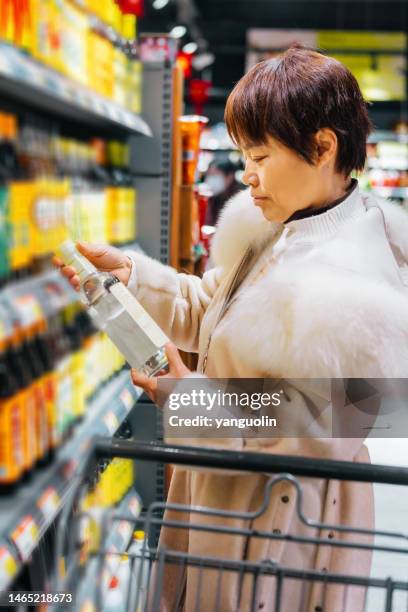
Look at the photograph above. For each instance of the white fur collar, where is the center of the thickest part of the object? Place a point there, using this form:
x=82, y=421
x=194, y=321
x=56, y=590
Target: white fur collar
x=242, y=225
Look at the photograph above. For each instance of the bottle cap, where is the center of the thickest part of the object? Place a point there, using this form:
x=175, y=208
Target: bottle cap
x=138, y=535
x=70, y=255
x=114, y=582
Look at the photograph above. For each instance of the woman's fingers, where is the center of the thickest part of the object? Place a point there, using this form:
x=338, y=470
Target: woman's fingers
x=71, y=275
x=58, y=263
x=149, y=385
x=177, y=369
x=68, y=271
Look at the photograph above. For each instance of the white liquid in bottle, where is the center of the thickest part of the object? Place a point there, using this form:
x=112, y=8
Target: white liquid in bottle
x=117, y=312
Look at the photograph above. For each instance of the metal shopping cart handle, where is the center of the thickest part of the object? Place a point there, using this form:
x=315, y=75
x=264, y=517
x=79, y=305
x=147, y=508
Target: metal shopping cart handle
x=267, y=463
x=249, y=461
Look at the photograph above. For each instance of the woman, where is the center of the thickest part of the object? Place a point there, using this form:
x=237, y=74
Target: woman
x=220, y=178
x=305, y=286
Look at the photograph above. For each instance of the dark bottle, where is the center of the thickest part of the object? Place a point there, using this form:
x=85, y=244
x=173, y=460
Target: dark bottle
x=11, y=425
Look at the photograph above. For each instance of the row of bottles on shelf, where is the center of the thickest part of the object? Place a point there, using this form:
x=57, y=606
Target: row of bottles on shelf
x=53, y=188
x=51, y=363
x=91, y=42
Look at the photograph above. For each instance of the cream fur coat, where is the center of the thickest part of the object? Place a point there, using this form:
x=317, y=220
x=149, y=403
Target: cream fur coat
x=332, y=303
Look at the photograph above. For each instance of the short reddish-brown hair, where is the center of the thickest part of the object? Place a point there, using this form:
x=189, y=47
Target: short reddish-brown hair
x=291, y=97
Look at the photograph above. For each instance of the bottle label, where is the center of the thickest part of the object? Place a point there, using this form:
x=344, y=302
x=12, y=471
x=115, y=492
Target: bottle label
x=138, y=314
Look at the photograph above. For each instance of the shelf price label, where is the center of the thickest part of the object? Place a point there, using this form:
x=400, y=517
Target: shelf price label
x=49, y=503
x=25, y=537
x=127, y=399
x=8, y=567
x=111, y=421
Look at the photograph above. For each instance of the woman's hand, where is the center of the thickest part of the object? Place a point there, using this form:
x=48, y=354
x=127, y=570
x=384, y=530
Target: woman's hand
x=177, y=369
x=103, y=257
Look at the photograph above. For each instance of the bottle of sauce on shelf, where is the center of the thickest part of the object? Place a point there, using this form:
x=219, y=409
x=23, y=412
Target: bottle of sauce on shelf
x=18, y=365
x=11, y=424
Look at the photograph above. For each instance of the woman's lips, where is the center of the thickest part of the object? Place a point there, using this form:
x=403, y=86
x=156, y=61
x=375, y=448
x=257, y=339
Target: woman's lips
x=258, y=199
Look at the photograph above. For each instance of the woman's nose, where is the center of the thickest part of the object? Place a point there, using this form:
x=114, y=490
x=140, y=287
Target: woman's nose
x=250, y=178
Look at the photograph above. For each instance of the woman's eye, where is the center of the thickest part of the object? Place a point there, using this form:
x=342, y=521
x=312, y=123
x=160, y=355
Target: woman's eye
x=259, y=159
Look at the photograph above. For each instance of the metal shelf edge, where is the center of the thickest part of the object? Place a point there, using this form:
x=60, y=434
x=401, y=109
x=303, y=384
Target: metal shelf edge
x=25, y=79
x=50, y=487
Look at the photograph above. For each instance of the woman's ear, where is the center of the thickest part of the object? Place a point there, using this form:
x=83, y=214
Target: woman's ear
x=326, y=146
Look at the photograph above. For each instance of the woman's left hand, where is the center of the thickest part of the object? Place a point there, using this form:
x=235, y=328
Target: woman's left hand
x=177, y=369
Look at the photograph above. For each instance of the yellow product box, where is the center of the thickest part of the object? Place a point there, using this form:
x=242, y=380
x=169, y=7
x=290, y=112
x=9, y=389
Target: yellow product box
x=95, y=7
x=129, y=26
x=116, y=17
x=48, y=223
x=47, y=32
x=22, y=195
x=109, y=15
x=111, y=195
x=100, y=73
x=74, y=42
x=135, y=81
x=120, y=77
x=130, y=215
x=103, y=489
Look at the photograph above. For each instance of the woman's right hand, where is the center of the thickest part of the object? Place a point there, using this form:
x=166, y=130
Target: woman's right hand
x=104, y=257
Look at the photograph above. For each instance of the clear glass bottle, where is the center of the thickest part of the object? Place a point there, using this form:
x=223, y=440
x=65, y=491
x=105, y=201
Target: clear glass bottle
x=117, y=312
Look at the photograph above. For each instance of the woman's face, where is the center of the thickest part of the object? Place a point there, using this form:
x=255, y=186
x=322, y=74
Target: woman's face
x=281, y=182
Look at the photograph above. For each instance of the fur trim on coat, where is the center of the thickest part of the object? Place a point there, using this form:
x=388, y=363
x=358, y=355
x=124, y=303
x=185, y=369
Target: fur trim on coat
x=325, y=320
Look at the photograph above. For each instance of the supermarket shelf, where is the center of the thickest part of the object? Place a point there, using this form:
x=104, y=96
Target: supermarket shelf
x=40, y=285
x=24, y=79
x=391, y=192
x=28, y=513
x=118, y=541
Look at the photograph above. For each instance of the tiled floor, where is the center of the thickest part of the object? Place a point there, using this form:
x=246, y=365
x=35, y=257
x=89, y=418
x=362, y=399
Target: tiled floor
x=391, y=510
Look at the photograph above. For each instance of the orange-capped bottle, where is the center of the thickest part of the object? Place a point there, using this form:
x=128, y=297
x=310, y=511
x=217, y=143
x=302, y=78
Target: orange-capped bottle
x=11, y=425
x=26, y=398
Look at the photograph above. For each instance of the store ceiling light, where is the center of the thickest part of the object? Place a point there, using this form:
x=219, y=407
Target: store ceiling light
x=190, y=48
x=178, y=31
x=159, y=4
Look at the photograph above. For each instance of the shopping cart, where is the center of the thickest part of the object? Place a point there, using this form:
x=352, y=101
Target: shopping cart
x=146, y=570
